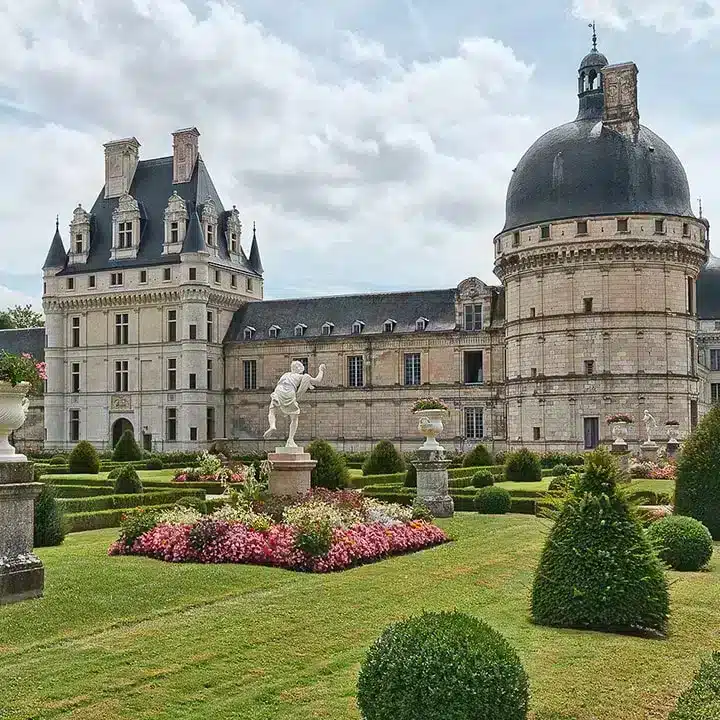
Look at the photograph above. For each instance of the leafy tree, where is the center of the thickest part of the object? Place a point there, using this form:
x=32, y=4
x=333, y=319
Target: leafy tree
x=20, y=317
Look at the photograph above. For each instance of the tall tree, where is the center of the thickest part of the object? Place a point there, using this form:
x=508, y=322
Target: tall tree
x=20, y=317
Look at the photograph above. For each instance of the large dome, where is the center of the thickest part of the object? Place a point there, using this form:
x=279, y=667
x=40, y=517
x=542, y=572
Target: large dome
x=584, y=168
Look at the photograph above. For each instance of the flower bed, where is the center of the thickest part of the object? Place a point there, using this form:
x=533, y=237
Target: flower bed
x=322, y=532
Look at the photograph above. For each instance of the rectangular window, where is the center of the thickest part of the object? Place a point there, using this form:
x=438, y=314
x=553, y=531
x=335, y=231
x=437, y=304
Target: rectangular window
x=355, y=371
x=582, y=227
x=125, y=234
x=210, y=235
x=210, y=327
x=209, y=374
x=473, y=317
x=717, y=324
x=122, y=329
x=473, y=367
x=693, y=414
x=75, y=377
x=714, y=392
x=192, y=381
x=174, y=232
x=589, y=367
x=217, y=277
x=75, y=339
x=74, y=425
x=71, y=283
x=116, y=278
x=474, y=423
x=660, y=227
x=233, y=281
x=304, y=362
x=536, y=433
x=172, y=325
x=193, y=433
x=171, y=431
x=532, y=312
x=193, y=331
x=591, y=432
x=516, y=239
x=172, y=374
x=250, y=374
x=412, y=369
x=533, y=372
x=544, y=232
x=192, y=274
x=715, y=359
x=690, y=296
x=622, y=225
x=143, y=277
x=233, y=242
x=693, y=357
x=91, y=281
x=167, y=275
x=587, y=305
x=249, y=284
x=121, y=376
x=210, y=423
x=686, y=229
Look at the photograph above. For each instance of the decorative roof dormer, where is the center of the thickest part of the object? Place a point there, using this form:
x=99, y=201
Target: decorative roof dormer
x=232, y=234
x=176, y=222
x=79, y=236
x=357, y=327
x=56, y=256
x=210, y=225
x=126, y=228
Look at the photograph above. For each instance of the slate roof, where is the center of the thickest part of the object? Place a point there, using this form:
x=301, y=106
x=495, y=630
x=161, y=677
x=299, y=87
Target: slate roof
x=56, y=256
x=30, y=340
x=152, y=186
x=707, y=290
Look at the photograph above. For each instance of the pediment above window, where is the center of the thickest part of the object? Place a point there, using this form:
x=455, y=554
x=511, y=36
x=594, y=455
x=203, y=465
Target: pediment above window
x=79, y=236
x=176, y=217
x=126, y=228
x=234, y=232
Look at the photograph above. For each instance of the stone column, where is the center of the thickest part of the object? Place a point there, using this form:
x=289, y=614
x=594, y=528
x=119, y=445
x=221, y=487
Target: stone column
x=22, y=575
x=290, y=471
x=432, y=482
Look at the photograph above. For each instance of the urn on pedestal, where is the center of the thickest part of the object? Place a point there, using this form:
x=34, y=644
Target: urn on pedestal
x=619, y=424
x=13, y=411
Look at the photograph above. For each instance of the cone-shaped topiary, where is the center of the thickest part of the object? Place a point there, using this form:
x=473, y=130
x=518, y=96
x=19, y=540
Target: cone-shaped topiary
x=444, y=666
x=697, y=484
x=598, y=569
x=684, y=543
x=127, y=449
x=492, y=500
x=330, y=471
x=49, y=525
x=701, y=701
x=128, y=481
x=522, y=466
x=384, y=460
x=84, y=459
x=477, y=457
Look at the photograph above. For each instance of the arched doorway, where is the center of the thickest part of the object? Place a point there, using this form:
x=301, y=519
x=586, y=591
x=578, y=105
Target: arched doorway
x=119, y=427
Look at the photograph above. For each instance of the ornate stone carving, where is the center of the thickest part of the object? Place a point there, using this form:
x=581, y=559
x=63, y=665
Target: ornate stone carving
x=121, y=402
x=175, y=216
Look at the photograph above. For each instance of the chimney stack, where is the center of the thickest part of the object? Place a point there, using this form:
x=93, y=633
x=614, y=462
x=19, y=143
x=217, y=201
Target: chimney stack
x=121, y=159
x=620, y=112
x=185, y=154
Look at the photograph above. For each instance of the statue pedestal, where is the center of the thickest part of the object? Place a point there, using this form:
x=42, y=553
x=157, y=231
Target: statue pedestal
x=621, y=453
x=648, y=450
x=290, y=471
x=22, y=575
x=673, y=444
x=432, y=482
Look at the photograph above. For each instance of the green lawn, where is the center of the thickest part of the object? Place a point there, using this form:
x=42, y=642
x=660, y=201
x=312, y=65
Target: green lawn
x=137, y=638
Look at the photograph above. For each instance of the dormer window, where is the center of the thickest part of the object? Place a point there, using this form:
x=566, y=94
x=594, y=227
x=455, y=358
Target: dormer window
x=421, y=323
x=389, y=325
x=126, y=228
x=249, y=333
x=209, y=223
x=233, y=242
x=274, y=331
x=357, y=327
x=174, y=232
x=300, y=330
x=210, y=237
x=125, y=235
x=78, y=243
x=80, y=234
x=176, y=217
x=234, y=228
x=327, y=328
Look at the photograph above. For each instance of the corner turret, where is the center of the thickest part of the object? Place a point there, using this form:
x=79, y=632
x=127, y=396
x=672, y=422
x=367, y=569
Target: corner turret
x=56, y=257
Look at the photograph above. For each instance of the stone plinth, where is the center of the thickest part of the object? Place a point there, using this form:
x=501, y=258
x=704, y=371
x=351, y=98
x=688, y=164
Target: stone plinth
x=290, y=473
x=621, y=453
x=673, y=445
x=649, y=450
x=432, y=482
x=21, y=573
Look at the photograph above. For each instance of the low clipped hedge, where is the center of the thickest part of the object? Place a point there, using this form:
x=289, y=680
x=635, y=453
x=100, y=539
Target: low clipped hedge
x=375, y=479
x=99, y=519
x=81, y=491
x=114, y=502
x=701, y=701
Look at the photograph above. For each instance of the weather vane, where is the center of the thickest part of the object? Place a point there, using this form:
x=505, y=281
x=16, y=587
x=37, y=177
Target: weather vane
x=594, y=35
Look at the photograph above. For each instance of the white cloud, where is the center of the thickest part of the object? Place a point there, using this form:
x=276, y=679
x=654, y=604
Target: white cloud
x=10, y=298
x=361, y=170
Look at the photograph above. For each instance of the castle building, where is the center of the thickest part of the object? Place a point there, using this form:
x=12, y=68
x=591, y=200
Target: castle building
x=155, y=318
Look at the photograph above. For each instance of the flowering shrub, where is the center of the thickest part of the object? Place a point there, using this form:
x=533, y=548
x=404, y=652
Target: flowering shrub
x=662, y=472
x=179, y=515
x=429, y=404
x=16, y=369
x=619, y=417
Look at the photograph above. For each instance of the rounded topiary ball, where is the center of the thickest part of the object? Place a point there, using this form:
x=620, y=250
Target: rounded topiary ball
x=478, y=457
x=384, y=460
x=492, y=501
x=444, y=666
x=154, y=463
x=483, y=478
x=522, y=466
x=682, y=542
x=84, y=459
x=128, y=481
x=58, y=460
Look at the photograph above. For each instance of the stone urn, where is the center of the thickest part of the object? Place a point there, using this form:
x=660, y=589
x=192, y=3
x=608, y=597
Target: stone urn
x=619, y=432
x=673, y=431
x=13, y=410
x=430, y=425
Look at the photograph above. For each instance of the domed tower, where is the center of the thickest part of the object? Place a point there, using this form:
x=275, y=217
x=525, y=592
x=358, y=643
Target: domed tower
x=598, y=257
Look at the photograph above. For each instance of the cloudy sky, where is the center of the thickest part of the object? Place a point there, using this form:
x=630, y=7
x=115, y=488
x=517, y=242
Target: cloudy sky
x=370, y=140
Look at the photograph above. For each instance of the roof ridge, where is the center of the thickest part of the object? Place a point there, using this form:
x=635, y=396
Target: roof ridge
x=369, y=294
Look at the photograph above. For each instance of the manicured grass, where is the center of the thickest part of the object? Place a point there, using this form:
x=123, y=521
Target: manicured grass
x=135, y=638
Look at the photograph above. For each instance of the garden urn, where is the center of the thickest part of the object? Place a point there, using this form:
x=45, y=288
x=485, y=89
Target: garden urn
x=13, y=410
x=430, y=425
x=619, y=432
x=673, y=432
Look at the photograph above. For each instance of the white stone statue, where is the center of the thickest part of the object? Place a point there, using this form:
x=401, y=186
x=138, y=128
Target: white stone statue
x=650, y=425
x=290, y=388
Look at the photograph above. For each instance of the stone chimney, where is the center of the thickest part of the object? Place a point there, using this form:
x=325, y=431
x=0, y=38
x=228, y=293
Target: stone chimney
x=121, y=159
x=185, y=154
x=620, y=112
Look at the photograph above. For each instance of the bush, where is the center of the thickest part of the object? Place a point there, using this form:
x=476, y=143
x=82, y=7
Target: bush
x=522, y=466
x=135, y=523
x=127, y=449
x=384, y=460
x=420, y=511
x=154, y=463
x=701, y=701
x=49, y=525
x=561, y=483
x=193, y=502
x=112, y=475
x=128, y=482
x=551, y=459
x=483, y=478
x=444, y=666
x=330, y=471
x=697, y=484
x=84, y=459
x=492, y=501
x=477, y=457
x=598, y=569
x=682, y=542
x=58, y=460
x=561, y=470
x=411, y=476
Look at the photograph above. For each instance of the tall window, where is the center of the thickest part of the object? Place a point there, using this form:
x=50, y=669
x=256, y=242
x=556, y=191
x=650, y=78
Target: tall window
x=249, y=285
x=71, y=283
x=79, y=242
x=715, y=359
x=171, y=430
x=355, y=371
x=143, y=277
x=192, y=381
x=192, y=273
x=210, y=235
x=174, y=232
x=210, y=423
x=193, y=434
x=589, y=367
x=233, y=242
x=172, y=374
x=660, y=227
x=74, y=425
x=210, y=333
x=91, y=281
x=474, y=423
x=250, y=374
x=233, y=280
x=167, y=274
x=193, y=331
x=125, y=234
x=473, y=317
x=172, y=325
x=412, y=368
x=75, y=377
x=122, y=376
x=690, y=296
x=587, y=305
x=473, y=362
x=209, y=374
x=714, y=392
x=75, y=340
x=121, y=329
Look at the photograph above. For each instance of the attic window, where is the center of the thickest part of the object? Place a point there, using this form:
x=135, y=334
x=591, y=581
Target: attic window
x=300, y=330
x=516, y=239
x=210, y=236
x=174, y=232
x=660, y=227
x=544, y=232
x=421, y=323
x=582, y=227
x=622, y=225
x=79, y=243
x=686, y=229
x=249, y=333
x=125, y=234
x=389, y=326
x=357, y=327
x=91, y=281
x=233, y=281
x=71, y=283
x=327, y=328
x=274, y=331
x=233, y=242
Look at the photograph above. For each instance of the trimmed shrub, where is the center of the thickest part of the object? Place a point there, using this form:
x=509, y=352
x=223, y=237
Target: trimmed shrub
x=112, y=475
x=522, y=466
x=384, y=460
x=193, y=502
x=58, y=460
x=483, y=478
x=701, y=701
x=128, y=482
x=598, y=569
x=682, y=542
x=551, y=459
x=492, y=501
x=127, y=449
x=697, y=484
x=330, y=471
x=411, y=476
x=49, y=525
x=561, y=470
x=154, y=463
x=479, y=456
x=444, y=666
x=84, y=459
